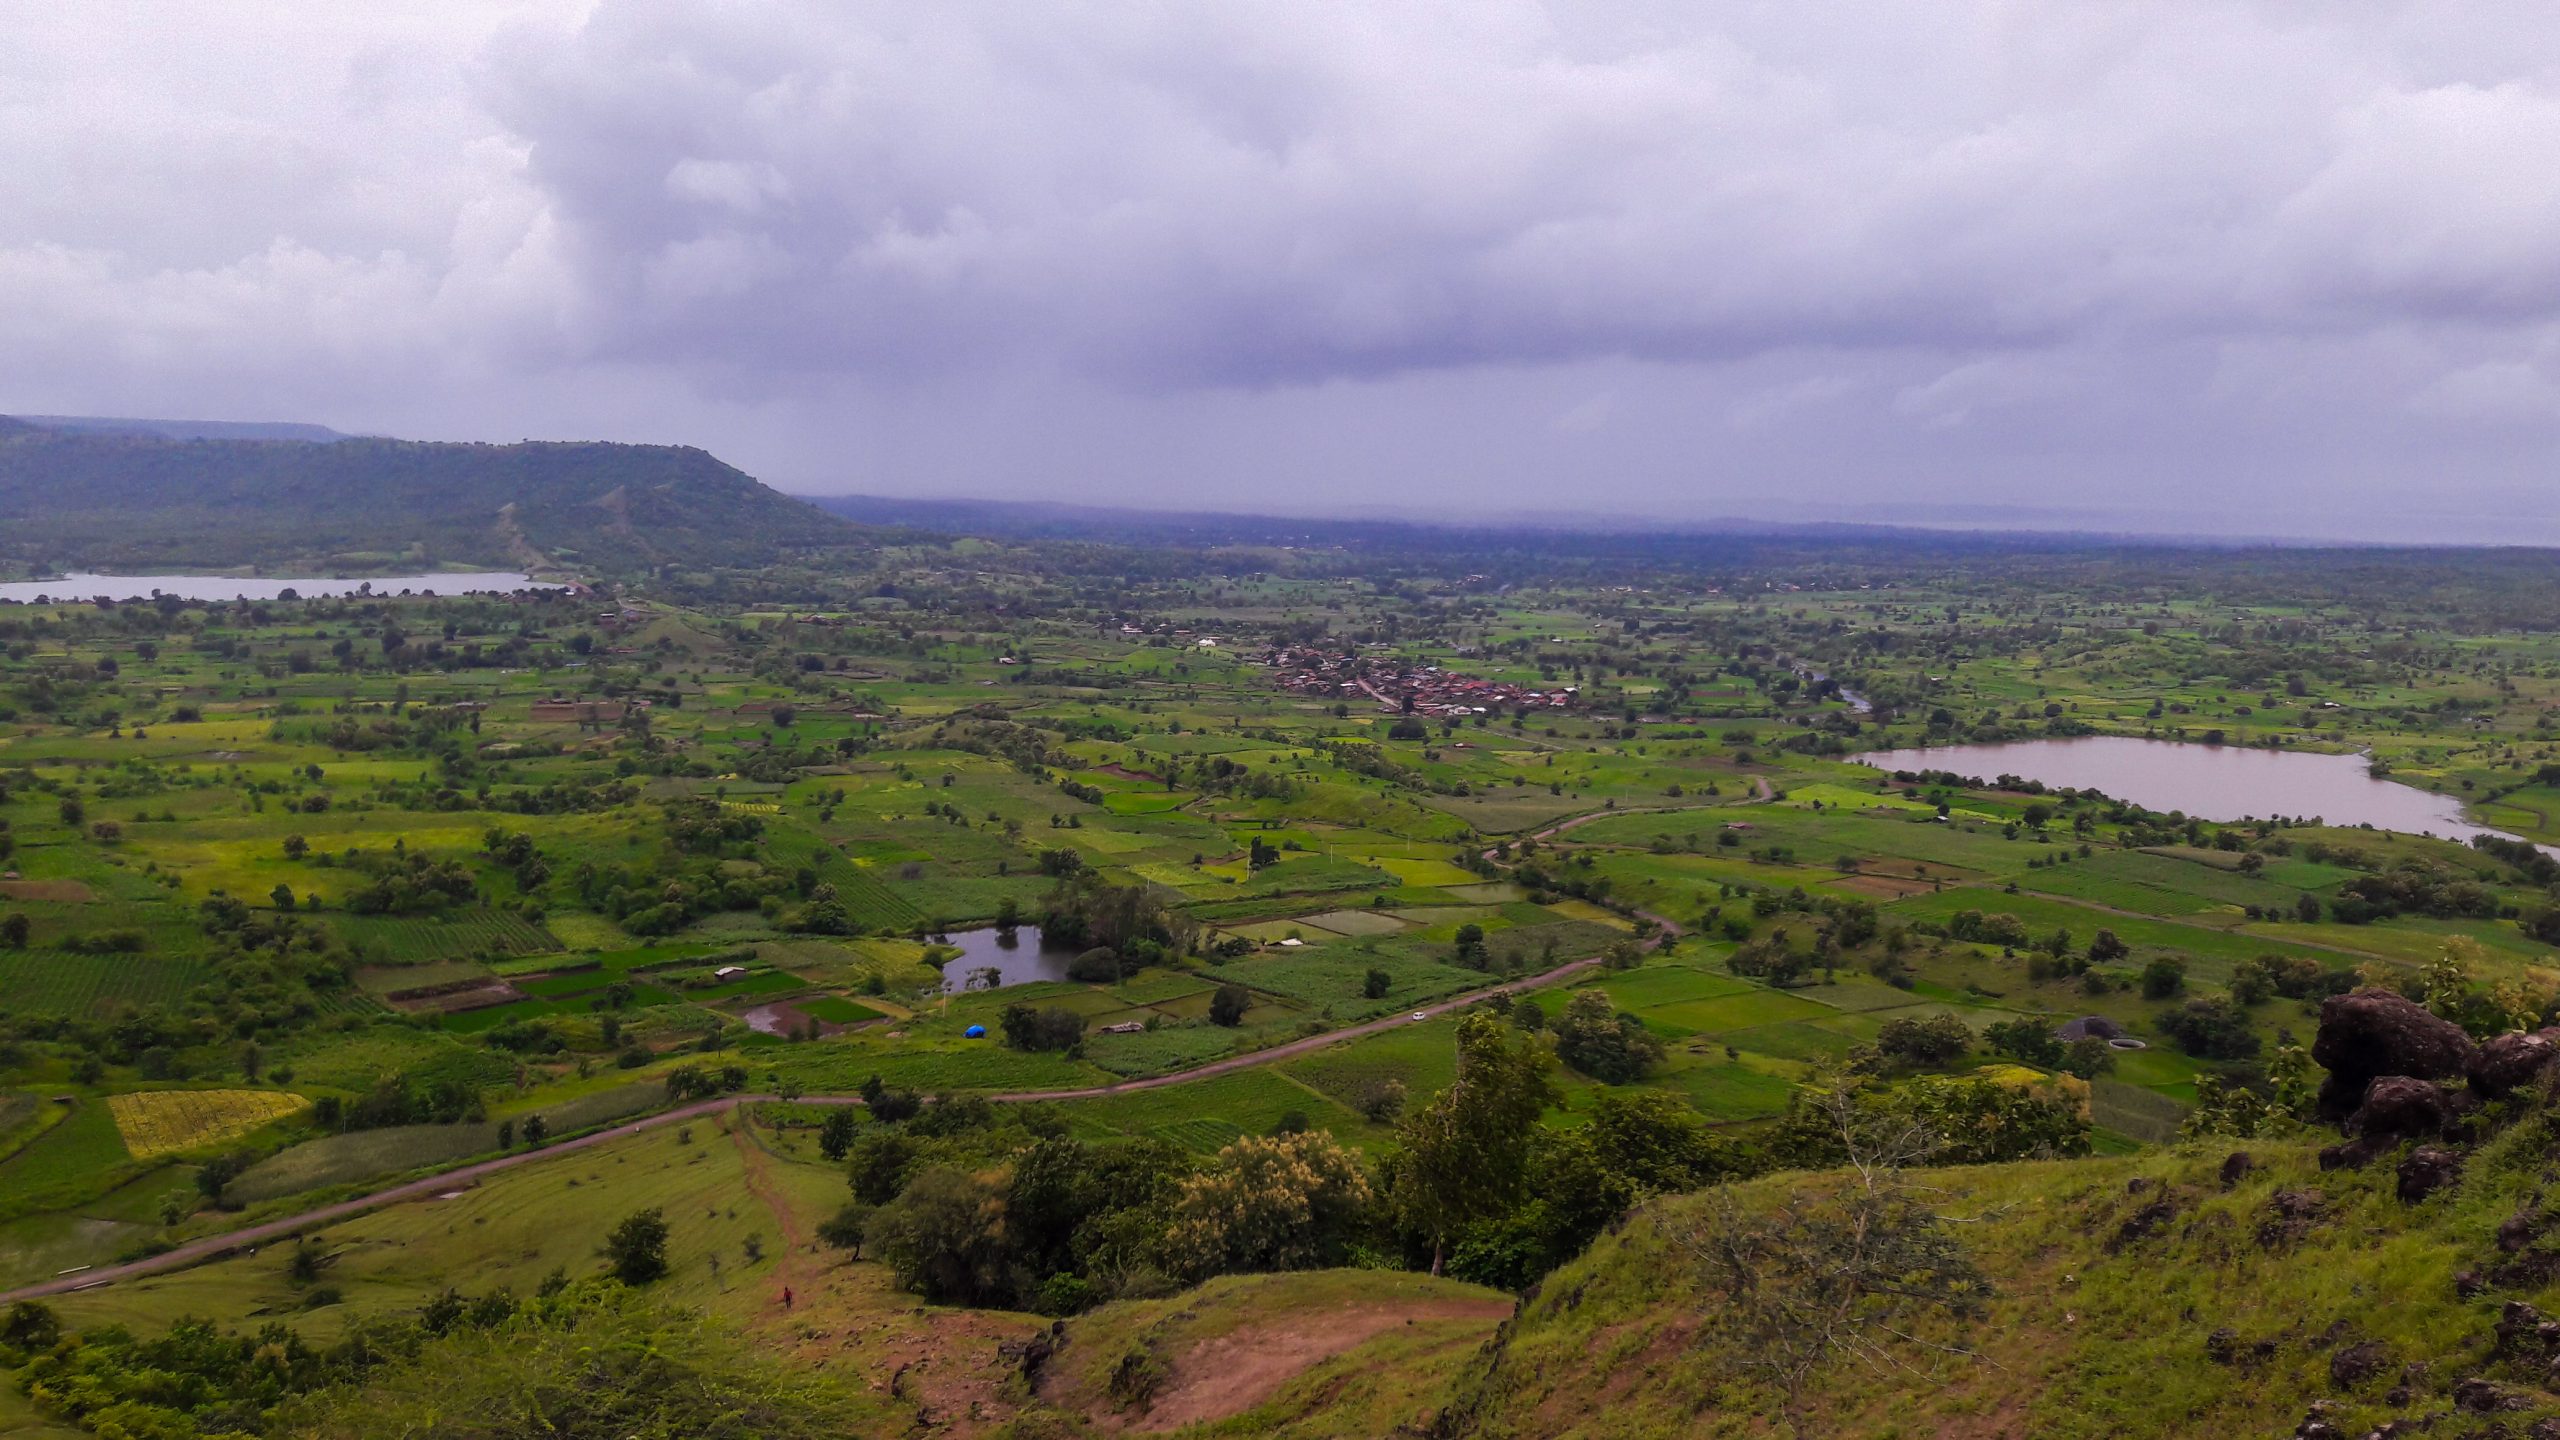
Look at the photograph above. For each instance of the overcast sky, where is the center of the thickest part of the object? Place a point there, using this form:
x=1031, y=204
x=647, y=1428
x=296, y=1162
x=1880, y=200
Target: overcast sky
x=2280, y=268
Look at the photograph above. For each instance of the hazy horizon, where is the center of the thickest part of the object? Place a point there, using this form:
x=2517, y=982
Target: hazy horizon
x=2235, y=270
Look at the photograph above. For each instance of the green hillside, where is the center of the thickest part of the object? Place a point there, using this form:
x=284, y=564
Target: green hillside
x=2136, y=1298
x=124, y=501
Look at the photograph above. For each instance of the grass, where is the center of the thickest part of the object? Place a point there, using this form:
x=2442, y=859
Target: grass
x=1245, y=1102
x=1333, y=980
x=1156, y=1052
x=1635, y=1315
x=361, y=1156
x=79, y=1159
x=509, y=1231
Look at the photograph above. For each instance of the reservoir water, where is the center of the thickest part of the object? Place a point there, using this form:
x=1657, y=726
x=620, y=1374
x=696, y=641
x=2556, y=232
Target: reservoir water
x=79, y=587
x=1018, y=958
x=2210, y=782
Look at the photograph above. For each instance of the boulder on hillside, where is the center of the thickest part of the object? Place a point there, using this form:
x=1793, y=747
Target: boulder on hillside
x=2512, y=1062
x=2402, y=1107
x=2373, y=1033
x=2358, y=1363
x=2427, y=1170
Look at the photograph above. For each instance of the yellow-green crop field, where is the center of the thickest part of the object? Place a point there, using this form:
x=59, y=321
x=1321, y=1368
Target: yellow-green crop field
x=166, y=1122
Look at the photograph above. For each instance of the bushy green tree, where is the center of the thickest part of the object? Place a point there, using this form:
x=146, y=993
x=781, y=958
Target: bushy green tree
x=1597, y=1039
x=636, y=1251
x=1464, y=1156
x=1288, y=1202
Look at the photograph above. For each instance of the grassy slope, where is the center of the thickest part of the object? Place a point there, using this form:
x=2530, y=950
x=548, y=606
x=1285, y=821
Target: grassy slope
x=2093, y=1335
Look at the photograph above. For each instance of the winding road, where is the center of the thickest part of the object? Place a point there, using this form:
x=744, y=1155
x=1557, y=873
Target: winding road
x=210, y=1247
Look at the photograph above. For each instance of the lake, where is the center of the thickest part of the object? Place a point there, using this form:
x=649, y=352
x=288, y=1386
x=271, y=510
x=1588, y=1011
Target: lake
x=1017, y=959
x=2210, y=782
x=80, y=587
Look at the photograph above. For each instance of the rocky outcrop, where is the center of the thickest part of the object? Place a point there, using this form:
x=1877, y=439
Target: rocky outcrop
x=2508, y=1063
x=2373, y=1033
x=2403, y=1107
x=2428, y=1169
x=2358, y=1363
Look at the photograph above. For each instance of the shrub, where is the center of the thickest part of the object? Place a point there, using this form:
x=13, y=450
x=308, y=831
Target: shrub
x=1229, y=1004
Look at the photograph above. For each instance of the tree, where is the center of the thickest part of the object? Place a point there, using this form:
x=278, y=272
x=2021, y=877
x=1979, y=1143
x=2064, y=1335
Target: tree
x=30, y=1326
x=835, y=1134
x=1657, y=1142
x=1470, y=946
x=2029, y=1042
x=1598, y=1040
x=879, y=1163
x=1228, y=1005
x=1374, y=985
x=1097, y=966
x=1379, y=1099
x=536, y=1129
x=944, y=1237
x=2088, y=1057
x=1050, y=1028
x=295, y=847
x=1464, y=1156
x=844, y=1229
x=1837, y=1272
x=2231, y=1111
x=1289, y=1202
x=2164, y=977
x=636, y=1251
x=1919, y=1043
x=14, y=929
x=2106, y=948
x=2211, y=1029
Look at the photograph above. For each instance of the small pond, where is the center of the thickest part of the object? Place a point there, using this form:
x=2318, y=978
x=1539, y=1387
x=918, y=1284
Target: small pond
x=80, y=587
x=2210, y=782
x=1018, y=957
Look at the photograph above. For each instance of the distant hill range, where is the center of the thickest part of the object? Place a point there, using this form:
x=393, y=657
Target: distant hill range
x=184, y=429
x=125, y=495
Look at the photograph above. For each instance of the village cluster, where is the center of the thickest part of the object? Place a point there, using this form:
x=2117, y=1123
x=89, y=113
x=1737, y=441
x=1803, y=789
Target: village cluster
x=1400, y=685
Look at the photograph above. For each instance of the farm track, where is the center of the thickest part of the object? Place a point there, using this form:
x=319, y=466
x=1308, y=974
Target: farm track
x=212, y=1247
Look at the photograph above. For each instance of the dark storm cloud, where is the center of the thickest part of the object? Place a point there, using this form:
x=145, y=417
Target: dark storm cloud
x=2263, y=265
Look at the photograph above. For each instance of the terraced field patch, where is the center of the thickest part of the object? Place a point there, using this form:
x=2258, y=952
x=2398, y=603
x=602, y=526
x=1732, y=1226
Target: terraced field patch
x=44, y=983
x=165, y=1122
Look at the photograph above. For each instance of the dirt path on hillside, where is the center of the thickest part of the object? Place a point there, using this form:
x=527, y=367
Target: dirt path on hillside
x=790, y=1270
x=1234, y=1372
